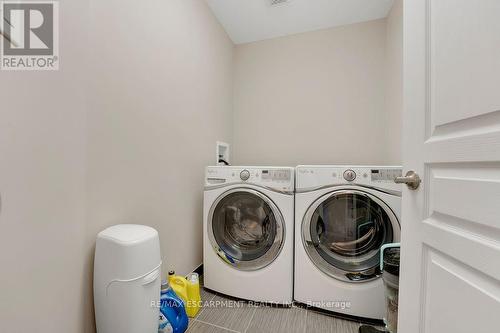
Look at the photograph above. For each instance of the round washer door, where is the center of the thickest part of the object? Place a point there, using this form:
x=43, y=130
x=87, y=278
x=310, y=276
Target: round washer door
x=246, y=229
x=343, y=231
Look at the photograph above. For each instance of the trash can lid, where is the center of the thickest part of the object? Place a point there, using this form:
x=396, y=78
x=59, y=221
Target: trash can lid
x=391, y=260
x=128, y=233
x=127, y=251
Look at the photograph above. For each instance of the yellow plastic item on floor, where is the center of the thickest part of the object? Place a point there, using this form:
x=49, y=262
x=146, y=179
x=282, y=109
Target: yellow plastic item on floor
x=193, y=290
x=179, y=286
x=188, y=290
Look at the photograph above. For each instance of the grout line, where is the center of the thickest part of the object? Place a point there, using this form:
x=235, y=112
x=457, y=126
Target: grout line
x=251, y=318
x=221, y=327
x=305, y=321
x=203, y=308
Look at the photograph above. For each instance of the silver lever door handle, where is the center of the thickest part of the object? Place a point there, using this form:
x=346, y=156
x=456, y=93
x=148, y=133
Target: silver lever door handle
x=412, y=180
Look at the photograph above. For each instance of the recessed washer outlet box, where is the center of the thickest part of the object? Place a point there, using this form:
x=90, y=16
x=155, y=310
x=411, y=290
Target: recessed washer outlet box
x=278, y=2
x=222, y=153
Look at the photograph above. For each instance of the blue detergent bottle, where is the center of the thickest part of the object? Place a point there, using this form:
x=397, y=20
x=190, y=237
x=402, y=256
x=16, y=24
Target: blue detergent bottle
x=173, y=317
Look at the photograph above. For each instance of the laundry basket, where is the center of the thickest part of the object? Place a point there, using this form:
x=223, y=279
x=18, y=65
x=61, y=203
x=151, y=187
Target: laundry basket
x=390, y=258
x=127, y=282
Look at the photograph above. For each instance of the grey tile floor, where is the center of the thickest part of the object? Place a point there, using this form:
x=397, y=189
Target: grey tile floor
x=222, y=314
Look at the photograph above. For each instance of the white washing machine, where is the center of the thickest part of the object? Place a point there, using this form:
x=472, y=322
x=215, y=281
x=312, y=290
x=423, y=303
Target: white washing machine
x=343, y=215
x=248, y=232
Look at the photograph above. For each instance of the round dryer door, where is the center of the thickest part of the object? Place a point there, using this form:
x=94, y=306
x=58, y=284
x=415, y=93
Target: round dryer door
x=343, y=231
x=246, y=229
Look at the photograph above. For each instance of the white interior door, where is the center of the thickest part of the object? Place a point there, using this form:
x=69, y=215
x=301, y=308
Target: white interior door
x=450, y=279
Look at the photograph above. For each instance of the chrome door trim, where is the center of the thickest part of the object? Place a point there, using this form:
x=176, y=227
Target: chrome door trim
x=271, y=254
x=318, y=261
x=324, y=187
x=218, y=186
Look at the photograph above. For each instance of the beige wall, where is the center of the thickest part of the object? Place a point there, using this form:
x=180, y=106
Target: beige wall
x=161, y=96
x=394, y=80
x=42, y=188
x=121, y=136
x=314, y=98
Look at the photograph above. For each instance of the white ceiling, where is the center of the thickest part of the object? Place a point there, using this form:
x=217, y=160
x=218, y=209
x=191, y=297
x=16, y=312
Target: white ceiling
x=252, y=20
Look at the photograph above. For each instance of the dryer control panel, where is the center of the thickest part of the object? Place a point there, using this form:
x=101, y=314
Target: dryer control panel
x=311, y=177
x=385, y=175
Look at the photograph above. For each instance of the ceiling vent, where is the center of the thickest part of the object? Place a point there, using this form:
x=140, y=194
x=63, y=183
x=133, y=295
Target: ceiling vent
x=278, y=2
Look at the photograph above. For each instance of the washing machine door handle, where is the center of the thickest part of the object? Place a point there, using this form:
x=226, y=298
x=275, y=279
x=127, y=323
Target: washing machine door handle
x=310, y=240
x=314, y=243
x=362, y=276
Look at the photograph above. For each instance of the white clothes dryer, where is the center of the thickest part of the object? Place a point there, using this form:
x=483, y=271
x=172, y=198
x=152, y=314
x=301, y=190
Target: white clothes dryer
x=343, y=215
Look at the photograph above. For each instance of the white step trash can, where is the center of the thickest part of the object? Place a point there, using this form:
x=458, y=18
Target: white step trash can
x=127, y=282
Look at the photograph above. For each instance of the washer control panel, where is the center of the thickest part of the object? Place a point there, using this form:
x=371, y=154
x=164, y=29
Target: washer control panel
x=277, y=175
x=349, y=175
x=244, y=175
x=279, y=178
